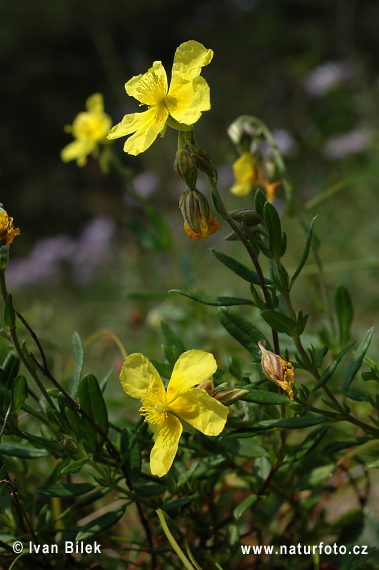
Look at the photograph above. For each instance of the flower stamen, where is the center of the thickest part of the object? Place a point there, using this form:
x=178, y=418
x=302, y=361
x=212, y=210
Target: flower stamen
x=154, y=407
x=151, y=90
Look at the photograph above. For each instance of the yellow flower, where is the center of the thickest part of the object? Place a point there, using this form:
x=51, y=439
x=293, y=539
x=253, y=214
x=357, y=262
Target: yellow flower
x=248, y=171
x=180, y=106
x=206, y=229
x=163, y=408
x=89, y=128
x=7, y=231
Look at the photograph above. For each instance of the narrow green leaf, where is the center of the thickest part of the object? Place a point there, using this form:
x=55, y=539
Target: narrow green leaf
x=310, y=443
x=294, y=423
x=100, y=524
x=213, y=301
x=92, y=402
x=148, y=489
x=161, y=227
x=331, y=368
x=243, y=331
x=243, y=447
x=357, y=360
x=78, y=354
x=335, y=446
x=237, y=267
x=64, y=490
x=272, y=220
x=76, y=465
x=19, y=450
x=264, y=397
x=19, y=393
x=306, y=251
x=344, y=312
x=259, y=202
x=174, y=346
x=278, y=322
x=244, y=506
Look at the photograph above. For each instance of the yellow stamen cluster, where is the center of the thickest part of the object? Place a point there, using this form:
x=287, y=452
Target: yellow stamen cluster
x=7, y=230
x=154, y=407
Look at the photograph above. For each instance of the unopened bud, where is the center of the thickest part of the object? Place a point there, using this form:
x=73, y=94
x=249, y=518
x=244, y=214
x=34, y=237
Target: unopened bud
x=194, y=207
x=228, y=396
x=185, y=166
x=249, y=217
x=277, y=370
x=204, y=163
x=208, y=385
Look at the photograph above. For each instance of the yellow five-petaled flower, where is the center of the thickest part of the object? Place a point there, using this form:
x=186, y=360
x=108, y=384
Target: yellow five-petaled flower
x=89, y=129
x=163, y=409
x=178, y=106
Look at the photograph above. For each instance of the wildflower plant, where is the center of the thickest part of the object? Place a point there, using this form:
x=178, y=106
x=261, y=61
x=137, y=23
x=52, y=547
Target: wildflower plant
x=234, y=446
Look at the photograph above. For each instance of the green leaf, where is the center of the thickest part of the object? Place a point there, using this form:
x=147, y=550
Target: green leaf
x=145, y=236
x=100, y=524
x=161, y=227
x=76, y=465
x=149, y=489
x=344, y=312
x=243, y=447
x=78, y=354
x=64, y=490
x=244, y=506
x=274, y=228
x=278, y=322
x=213, y=301
x=259, y=202
x=310, y=443
x=174, y=347
x=19, y=393
x=9, y=314
x=237, y=267
x=264, y=397
x=357, y=360
x=19, y=450
x=335, y=446
x=92, y=402
x=331, y=368
x=305, y=252
x=294, y=423
x=243, y=331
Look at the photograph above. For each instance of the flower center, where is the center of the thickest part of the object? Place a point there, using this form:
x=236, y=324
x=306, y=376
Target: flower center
x=154, y=407
x=151, y=89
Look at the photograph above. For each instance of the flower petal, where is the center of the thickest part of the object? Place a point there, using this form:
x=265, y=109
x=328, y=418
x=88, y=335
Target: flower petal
x=186, y=101
x=191, y=368
x=138, y=375
x=245, y=168
x=94, y=104
x=77, y=150
x=147, y=125
x=189, y=58
x=156, y=76
x=241, y=189
x=165, y=447
x=201, y=411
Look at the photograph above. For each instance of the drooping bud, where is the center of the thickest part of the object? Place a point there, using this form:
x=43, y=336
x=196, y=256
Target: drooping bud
x=204, y=163
x=185, y=166
x=249, y=217
x=7, y=230
x=194, y=207
x=277, y=370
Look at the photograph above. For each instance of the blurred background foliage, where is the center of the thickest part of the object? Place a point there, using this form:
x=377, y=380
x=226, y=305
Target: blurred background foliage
x=306, y=68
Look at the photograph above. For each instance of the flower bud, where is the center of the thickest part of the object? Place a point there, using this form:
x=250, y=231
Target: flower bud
x=185, y=166
x=249, y=217
x=277, y=370
x=194, y=207
x=228, y=396
x=208, y=385
x=204, y=163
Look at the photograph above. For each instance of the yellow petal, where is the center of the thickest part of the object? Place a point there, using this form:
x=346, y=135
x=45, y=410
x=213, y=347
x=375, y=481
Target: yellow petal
x=147, y=125
x=201, y=411
x=241, y=189
x=245, y=168
x=191, y=368
x=77, y=150
x=94, y=104
x=186, y=101
x=154, y=82
x=165, y=447
x=189, y=58
x=138, y=375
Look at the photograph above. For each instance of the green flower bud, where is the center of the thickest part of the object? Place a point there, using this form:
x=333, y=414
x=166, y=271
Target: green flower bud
x=185, y=166
x=204, y=163
x=249, y=217
x=194, y=207
x=228, y=396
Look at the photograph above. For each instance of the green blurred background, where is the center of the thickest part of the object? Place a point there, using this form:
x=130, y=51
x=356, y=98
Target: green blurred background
x=308, y=68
